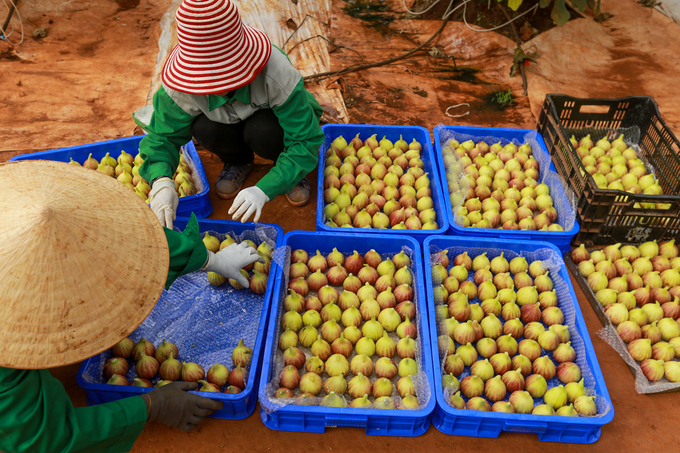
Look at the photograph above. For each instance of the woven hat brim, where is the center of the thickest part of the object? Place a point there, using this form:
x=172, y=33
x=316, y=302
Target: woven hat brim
x=217, y=70
x=83, y=261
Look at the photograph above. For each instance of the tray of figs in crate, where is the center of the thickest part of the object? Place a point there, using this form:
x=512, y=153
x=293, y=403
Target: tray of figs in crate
x=513, y=352
x=635, y=291
x=120, y=159
x=501, y=183
x=203, y=329
x=622, y=162
x=382, y=179
x=347, y=343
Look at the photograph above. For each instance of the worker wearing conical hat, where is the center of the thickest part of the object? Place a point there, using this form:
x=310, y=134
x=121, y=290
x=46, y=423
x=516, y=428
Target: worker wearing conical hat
x=83, y=261
x=237, y=95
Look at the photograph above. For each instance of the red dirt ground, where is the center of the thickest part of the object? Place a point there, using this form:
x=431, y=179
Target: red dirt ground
x=81, y=83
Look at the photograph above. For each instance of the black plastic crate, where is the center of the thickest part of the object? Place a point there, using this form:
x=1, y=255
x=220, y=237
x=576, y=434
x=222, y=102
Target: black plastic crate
x=608, y=216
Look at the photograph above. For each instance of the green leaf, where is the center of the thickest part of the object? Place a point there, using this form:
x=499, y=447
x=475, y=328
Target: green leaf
x=559, y=14
x=514, y=4
x=579, y=4
x=544, y=3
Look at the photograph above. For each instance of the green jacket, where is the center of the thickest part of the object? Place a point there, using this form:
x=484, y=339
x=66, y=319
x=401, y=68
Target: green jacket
x=279, y=86
x=36, y=414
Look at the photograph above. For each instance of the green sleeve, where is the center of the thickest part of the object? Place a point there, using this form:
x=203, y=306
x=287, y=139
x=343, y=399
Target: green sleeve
x=38, y=416
x=187, y=251
x=299, y=117
x=168, y=130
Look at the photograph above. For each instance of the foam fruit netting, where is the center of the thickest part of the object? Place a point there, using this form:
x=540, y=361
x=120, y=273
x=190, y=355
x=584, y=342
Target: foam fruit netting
x=563, y=197
x=204, y=321
x=421, y=384
x=552, y=262
x=611, y=337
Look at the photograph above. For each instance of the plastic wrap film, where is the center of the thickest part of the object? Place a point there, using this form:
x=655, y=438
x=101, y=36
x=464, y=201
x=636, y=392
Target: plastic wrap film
x=327, y=146
x=631, y=137
x=648, y=166
x=204, y=321
x=269, y=403
x=612, y=338
x=642, y=384
x=552, y=262
x=542, y=158
x=456, y=182
x=198, y=183
x=564, y=204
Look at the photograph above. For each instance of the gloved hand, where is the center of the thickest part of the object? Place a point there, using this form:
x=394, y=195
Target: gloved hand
x=173, y=406
x=229, y=261
x=249, y=201
x=164, y=200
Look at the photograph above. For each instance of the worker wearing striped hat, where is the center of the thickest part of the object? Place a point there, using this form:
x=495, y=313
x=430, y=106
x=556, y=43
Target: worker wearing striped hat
x=228, y=87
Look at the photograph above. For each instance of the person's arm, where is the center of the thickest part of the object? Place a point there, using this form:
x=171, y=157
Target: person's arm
x=168, y=130
x=37, y=415
x=187, y=251
x=188, y=254
x=299, y=118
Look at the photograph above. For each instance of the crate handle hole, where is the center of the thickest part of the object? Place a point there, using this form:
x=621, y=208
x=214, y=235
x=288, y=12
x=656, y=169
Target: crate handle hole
x=594, y=109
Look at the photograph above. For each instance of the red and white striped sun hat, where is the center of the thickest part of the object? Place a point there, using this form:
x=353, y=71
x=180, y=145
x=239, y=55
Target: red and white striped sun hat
x=216, y=52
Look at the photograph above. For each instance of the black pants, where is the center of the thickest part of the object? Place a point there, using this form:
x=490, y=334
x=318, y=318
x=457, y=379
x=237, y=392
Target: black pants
x=237, y=144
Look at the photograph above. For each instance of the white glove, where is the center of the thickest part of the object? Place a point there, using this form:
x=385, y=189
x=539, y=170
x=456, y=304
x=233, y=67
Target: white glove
x=163, y=199
x=229, y=261
x=248, y=201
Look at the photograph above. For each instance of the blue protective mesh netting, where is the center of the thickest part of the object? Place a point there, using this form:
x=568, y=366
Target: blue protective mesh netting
x=270, y=404
x=552, y=262
x=563, y=197
x=204, y=321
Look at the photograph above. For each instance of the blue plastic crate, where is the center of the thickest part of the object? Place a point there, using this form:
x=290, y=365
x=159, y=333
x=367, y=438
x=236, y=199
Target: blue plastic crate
x=302, y=418
x=552, y=428
x=408, y=133
x=561, y=239
x=199, y=203
x=236, y=406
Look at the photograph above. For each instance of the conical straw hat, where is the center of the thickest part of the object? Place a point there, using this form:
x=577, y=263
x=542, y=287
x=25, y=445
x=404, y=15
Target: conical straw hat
x=82, y=263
